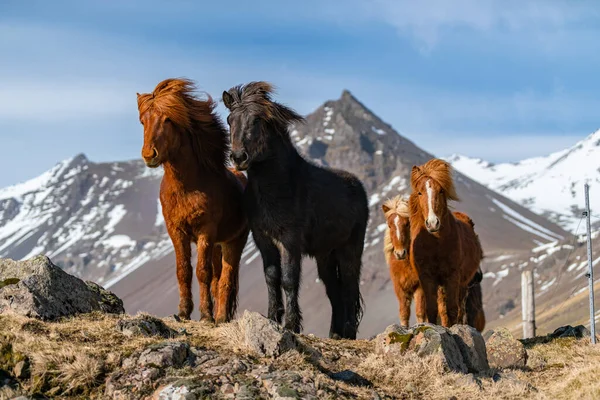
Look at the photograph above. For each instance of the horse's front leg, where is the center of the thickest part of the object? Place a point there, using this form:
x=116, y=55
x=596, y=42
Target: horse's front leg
x=405, y=300
x=430, y=293
x=290, y=280
x=420, y=305
x=182, y=247
x=448, y=294
x=272, y=269
x=204, y=275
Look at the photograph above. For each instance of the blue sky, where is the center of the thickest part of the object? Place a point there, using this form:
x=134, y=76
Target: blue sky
x=501, y=80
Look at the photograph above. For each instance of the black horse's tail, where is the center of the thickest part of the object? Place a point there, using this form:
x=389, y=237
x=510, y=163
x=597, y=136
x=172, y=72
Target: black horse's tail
x=474, y=303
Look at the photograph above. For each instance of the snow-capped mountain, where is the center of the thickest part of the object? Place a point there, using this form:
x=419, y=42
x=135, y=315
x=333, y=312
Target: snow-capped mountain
x=97, y=221
x=551, y=186
x=102, y=221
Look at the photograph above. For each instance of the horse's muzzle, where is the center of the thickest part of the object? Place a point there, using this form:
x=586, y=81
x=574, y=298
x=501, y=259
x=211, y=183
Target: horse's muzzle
x=400, y=255
x=240, y=159
x=432, y=224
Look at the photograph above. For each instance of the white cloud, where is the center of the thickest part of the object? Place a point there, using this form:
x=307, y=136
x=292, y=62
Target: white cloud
x=425, y=21
x=53, y=102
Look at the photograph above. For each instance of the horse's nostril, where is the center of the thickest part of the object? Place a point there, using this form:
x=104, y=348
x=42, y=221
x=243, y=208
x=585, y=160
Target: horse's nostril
x=154, y=153
x=244, y=156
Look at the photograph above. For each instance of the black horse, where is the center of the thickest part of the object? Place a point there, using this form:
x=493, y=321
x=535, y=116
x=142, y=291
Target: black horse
x=296, y=208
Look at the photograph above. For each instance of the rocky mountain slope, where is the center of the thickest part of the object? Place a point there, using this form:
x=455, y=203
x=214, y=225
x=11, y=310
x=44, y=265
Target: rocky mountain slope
x=102, y=221
x=551, y=186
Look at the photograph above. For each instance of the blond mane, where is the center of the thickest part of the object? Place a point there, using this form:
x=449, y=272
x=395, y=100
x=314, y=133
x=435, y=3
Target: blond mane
x=438, y=170
x=396, y=205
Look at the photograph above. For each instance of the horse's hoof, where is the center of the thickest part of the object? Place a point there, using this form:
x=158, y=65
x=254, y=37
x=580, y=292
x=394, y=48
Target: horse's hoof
x=335, y=336
x=184, y=316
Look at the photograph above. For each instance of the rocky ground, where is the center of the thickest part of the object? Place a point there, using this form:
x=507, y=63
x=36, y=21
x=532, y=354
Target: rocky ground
x=53, y=347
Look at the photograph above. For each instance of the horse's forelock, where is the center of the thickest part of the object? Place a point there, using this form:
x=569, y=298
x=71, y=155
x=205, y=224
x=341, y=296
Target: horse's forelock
x=175, y=99
x=398, y=205
x=438, y=170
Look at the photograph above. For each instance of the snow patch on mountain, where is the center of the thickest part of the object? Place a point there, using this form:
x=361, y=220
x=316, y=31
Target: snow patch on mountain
x=551, y=186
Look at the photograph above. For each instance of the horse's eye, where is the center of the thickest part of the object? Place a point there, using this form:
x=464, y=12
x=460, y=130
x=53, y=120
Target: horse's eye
x=441, y=191
x=419, y=193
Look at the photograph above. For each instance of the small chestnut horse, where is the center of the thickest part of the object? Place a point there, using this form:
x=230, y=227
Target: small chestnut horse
x=201, y=197
x=396, y=248
x=445, y=250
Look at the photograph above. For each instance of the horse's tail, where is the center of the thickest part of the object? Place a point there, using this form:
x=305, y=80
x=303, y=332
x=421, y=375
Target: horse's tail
x=474, y=303
x=233, y=295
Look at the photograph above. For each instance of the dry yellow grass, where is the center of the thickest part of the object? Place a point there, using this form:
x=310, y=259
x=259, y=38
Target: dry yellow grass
x=74, y=357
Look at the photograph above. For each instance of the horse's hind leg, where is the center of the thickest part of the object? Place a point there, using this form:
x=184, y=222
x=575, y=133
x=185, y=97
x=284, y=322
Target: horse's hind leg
x=217, y=267
x=349, y=270
x=327, y=269
x=228, y=283
x=463, y=293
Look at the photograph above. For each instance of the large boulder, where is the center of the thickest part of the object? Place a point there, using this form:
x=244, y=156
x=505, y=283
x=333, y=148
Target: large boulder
x=265, y=337
x=435, y=340
x=393, y=341
x=39, y=289
x=578, y=332
x=504, y=351
x=472, y=346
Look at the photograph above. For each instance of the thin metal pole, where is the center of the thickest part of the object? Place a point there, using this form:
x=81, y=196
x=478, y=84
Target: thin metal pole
x=527, y=304
x=590, y=273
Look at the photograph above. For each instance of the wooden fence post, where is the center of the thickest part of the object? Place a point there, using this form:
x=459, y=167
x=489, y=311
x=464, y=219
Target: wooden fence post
x=528, y=304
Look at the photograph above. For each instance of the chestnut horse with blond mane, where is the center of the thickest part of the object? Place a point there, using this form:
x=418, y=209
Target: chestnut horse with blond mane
x=445, y=250
x=396, y=248
x=201, y=197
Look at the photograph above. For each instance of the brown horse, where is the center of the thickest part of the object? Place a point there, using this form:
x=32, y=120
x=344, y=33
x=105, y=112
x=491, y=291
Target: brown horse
x=201, y=197
x=397, y=254
x=446, y=252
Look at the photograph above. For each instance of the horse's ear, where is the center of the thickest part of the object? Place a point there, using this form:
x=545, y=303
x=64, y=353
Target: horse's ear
x=138, y=95
x=385, y=208
x=415, y=169
x=227, y=99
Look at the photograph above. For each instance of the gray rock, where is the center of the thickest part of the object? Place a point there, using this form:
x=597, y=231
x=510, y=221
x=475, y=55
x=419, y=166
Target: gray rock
x=145, y=325
x=578, y=331
x=469, y=380
x=393, y=341
x=436, y=341
x=265, y=337
x=350, y=377
x=39, y=289
x=472, y=347
x=504, y=351
x=169, y=354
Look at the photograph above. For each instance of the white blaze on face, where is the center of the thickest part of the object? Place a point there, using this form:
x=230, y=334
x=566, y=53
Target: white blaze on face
x=397, y=223
x=431, y=217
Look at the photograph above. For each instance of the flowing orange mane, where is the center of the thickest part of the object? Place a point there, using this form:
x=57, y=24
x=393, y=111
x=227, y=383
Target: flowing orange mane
x=175, y=99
